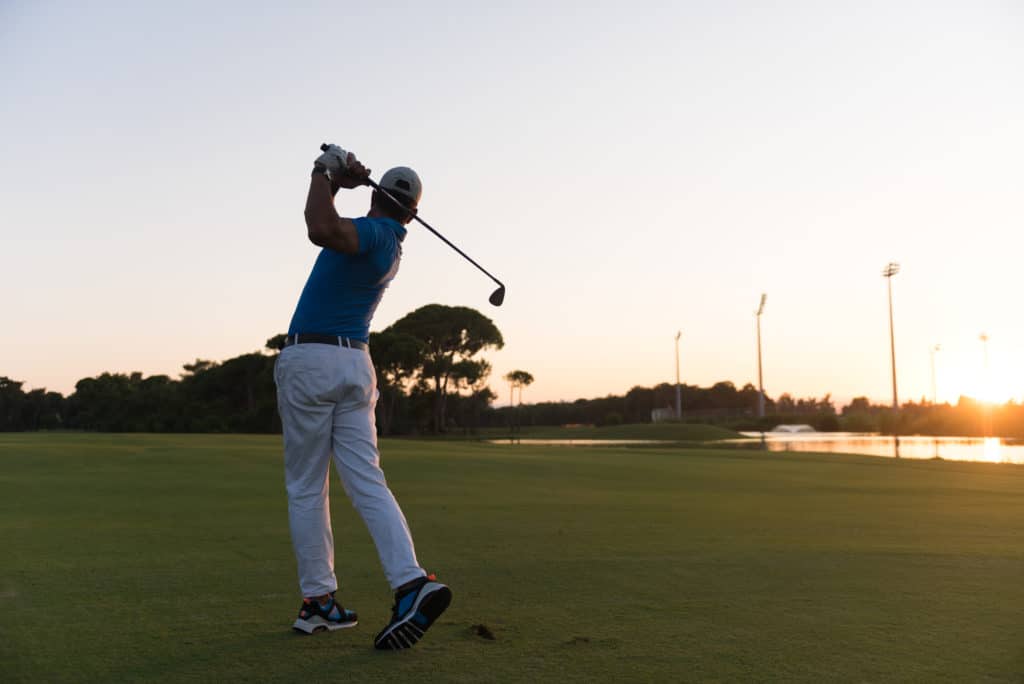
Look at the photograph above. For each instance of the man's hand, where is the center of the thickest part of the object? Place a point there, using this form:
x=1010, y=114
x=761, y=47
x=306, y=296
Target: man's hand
x=352, y=175
x=344, y=170
x=334, y=159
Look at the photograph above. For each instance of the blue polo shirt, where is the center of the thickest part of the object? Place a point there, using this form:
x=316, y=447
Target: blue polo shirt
x=343, y=290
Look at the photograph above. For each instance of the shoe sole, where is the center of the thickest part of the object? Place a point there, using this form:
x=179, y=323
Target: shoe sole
x=430, y=604
x=307, y=627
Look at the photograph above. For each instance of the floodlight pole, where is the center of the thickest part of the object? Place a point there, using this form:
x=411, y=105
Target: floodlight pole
x=679, y=391
x=935, y=394
x=986, y=388
x=760, y=376
x=889, y=271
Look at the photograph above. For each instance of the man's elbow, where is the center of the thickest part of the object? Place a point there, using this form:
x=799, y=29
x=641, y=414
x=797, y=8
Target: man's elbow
x=332, y=232
x=316, y=238
x=316, y=231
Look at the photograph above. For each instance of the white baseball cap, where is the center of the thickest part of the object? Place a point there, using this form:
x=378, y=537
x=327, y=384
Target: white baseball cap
x=403, y=181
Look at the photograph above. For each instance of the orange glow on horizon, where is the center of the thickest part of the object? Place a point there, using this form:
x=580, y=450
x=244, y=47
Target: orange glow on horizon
x=987, y=375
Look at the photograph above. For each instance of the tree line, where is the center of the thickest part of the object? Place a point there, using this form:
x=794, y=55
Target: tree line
x=722, y=403
x=968, y=417
x=432, y=377
x=430, y=374
x=736, y=408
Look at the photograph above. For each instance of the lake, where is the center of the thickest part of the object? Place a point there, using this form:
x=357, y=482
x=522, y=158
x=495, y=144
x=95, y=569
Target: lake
x=987, y=449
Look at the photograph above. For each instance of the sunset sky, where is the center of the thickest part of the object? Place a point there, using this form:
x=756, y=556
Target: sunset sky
x=627, y=169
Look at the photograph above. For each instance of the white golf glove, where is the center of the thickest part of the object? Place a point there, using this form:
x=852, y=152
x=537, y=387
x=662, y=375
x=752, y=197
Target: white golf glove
x=335, y=159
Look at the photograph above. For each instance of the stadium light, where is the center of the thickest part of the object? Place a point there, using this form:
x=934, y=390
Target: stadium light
x=679, y=392
x=891, y=269
x=760, y=376
x=986, y=388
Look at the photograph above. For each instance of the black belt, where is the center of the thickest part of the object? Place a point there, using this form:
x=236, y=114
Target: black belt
x=316, y=338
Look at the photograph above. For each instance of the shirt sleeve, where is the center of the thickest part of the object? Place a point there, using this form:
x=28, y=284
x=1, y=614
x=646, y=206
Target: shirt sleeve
x=369, y=234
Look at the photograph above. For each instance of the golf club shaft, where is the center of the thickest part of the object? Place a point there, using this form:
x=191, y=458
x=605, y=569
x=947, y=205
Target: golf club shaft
x=426, y=225
x=431, y=229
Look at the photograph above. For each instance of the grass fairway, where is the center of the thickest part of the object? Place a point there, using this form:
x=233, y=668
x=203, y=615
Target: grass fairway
x=674, y=432
x=167, y=558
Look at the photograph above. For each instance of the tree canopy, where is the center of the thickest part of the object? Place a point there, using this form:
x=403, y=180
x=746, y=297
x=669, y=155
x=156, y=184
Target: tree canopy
x=518, y=379
x=451, y=337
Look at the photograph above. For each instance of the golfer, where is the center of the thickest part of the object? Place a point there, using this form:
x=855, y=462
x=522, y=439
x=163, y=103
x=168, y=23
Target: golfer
x=326, y=394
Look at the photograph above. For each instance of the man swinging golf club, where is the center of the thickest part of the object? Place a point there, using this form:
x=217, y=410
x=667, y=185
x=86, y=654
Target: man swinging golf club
x=326, y=394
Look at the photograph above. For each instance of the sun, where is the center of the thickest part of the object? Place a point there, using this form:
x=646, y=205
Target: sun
x=998, y=391
x=984, y=374
x=987, y=390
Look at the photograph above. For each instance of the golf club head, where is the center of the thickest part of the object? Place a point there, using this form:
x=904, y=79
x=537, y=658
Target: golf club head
x=498, y=296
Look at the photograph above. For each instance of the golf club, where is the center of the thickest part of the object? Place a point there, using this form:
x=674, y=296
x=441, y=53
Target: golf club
x=497, y=297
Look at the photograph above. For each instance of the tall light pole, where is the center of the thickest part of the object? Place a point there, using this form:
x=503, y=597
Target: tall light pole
x=760, y=375
x=679, y=391
x=891, y=269
x=935, y=349
x=986, y=388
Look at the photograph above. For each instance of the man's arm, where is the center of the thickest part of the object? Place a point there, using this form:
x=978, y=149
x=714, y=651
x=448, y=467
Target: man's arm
x=324, y=227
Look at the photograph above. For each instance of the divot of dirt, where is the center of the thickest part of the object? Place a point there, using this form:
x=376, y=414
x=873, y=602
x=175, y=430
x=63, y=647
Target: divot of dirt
x=577, y=640
x=483, y=631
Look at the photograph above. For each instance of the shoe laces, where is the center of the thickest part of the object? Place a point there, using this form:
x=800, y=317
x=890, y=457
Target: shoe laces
x=399, y=596
x=313, y=606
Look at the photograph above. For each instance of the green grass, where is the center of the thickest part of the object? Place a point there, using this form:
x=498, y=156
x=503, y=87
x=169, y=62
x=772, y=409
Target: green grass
x=167, y=558
x=673, y=432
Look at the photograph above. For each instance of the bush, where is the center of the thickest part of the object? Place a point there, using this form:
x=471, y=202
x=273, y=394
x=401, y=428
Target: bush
x=859, y=422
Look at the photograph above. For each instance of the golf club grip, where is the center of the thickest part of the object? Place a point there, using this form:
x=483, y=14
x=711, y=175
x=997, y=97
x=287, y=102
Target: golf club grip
x=368, y=181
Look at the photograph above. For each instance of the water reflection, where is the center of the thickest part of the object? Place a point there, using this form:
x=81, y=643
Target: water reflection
x=988, y=449
x=992, y=450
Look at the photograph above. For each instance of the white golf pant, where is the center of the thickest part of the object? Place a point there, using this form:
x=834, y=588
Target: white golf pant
x=326, y=397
